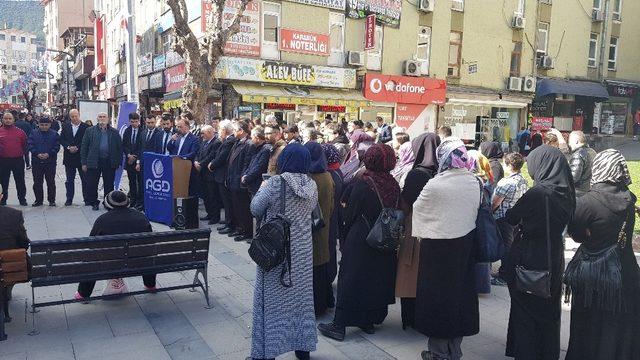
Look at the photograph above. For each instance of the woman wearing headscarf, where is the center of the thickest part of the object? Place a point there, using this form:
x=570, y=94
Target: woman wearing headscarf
x=605, y=303
x=352, y=166
x=322, y=290
x=534, y=322
x=425, y=167
x=333, y=167
x=445, y=220
x=367, y=275
x=283, y=318
x=493, y=152
x=404, y=164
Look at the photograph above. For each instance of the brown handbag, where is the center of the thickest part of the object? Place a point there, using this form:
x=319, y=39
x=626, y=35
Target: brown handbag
x=13, y=266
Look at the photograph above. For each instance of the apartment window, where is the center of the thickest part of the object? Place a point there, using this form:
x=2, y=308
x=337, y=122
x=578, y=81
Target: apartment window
x=2, y=37
x=520, y=8
x=457, y=5
x=516, y=59
x=593, y=50
x=424, y=48
x=23, y=39
x=34, y=41
x=13, y=67
x=617, y=10
x=336, y=38
x=270, y=25
x=543, y=39
x=613, y=53
x=13, y=38
x=597, y=4
x=374, y=56
x=455, y=54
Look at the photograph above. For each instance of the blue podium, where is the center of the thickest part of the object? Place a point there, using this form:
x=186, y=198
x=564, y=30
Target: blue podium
x=166, y=177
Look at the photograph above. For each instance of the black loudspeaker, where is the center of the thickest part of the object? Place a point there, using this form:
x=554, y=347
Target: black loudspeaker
x=185, y=213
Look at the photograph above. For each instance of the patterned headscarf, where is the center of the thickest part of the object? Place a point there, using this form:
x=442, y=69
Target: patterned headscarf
x=379, y=160
x=332, y=153
x=452, y=154
x=609, y=166
x=405, y=160
x=482, y=167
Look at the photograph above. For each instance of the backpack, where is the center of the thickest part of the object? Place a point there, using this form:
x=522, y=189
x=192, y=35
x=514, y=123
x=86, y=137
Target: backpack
x=386, y=232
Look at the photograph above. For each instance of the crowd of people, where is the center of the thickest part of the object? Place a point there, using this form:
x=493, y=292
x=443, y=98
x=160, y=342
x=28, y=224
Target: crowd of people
x=341, y=176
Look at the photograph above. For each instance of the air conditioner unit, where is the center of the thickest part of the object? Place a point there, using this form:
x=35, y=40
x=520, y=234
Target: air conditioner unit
x=412, y=68
x=355, y=58
x=616, y=17
x=597, y=15
x=518, y=21
x=514, y=84
x=457, y=5
x=548, y=2
x=529, y=84
x=546, y=62
x=426, y=5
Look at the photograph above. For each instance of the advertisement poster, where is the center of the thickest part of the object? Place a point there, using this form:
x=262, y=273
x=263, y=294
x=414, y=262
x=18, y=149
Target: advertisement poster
x=247, y=41
x=304, y=42
x=541, y=123
x=370, y=32
x=329, y=4
x=174, y=78
x=404, y=89
x=387, y=11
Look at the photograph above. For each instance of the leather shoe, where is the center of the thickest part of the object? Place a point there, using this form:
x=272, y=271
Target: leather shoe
x=22, y=203
x=96, y=207
x=332, y=331
x=220, y=228
x=68, y=203
x=36, y=204
x=213, y=221
x=235, y=233
x=205, y=218
x=52, y=203
x=225, y=231
x=368, y=329
x=240, y=238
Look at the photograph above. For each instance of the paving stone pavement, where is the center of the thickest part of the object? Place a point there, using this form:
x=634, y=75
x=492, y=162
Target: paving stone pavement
x=175, y=325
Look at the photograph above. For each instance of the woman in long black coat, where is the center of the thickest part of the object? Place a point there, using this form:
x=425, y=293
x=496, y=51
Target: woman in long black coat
x=605, y=319
x=366, y=278
x=333, y=167
x=534, y=322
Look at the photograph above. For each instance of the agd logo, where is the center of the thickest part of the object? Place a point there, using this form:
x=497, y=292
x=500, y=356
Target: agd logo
x=157, y=170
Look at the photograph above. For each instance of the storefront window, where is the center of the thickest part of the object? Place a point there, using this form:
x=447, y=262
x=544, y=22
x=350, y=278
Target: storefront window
x=516, y=58
x=614, y=118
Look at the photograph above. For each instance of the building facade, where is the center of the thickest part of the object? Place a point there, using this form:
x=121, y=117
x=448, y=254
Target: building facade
x=19, y=53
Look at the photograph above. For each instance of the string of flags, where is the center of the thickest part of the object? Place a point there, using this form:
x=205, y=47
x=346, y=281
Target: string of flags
x=21, y=84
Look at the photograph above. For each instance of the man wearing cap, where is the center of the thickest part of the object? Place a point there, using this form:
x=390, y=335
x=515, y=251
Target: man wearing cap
x=71, y=140
x=44, y=145
x=13, y=144
x=118, y=219
x=100, y=155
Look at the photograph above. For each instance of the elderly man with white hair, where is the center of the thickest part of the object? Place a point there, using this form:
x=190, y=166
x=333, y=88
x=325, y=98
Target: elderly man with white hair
x=71, y=139
x=209, y=193
x=218, y=166
x=100, y=155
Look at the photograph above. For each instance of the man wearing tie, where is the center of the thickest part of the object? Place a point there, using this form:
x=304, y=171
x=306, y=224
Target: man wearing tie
x=131, y=142
x=151, y=142
x=167, y=132
x=218, y=166
x=71, y=140
x=207, y=153
x=185, y=145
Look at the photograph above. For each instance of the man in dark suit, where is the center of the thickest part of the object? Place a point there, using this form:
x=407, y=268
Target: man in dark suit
x=238, y=162
x=151, y=141
x=186, y=145
x=219, y=166
x=167, y=131
x=131, y=142
x=210, y=145
x=71, y=140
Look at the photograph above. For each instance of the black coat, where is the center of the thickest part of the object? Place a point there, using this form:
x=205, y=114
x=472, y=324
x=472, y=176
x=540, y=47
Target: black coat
x=67, y=139
x=238, y=162
x=258, y=165
x=13, y=235
x=120, y=221
x=220, y=162
x=131, y=146
x=153, y=145
x=206, y=154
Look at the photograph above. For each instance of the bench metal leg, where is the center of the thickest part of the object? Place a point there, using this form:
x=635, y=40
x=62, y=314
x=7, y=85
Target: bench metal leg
x=206, y=288
x=33, y=331
x=5, y=305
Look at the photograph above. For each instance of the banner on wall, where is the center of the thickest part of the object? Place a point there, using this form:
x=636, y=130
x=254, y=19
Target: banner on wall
x=330, y=4
x=387, y=11
x=174, y=78
x=404, y=89
x=541, y=123
x=370, y=32
x=247, y=41
x=304, y=42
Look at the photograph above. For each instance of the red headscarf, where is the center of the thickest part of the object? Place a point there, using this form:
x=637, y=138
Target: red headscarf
x=379, y=160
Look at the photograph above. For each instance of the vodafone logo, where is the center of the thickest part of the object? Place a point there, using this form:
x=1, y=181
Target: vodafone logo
x=405, y=90
x=375, y=86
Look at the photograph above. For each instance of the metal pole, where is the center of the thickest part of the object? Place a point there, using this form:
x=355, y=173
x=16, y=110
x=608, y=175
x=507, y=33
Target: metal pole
x=132, y=60
x=66, y=61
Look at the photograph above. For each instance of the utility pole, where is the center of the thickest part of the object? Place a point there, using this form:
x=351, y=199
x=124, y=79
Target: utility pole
x=132, y=60
x=603, y=42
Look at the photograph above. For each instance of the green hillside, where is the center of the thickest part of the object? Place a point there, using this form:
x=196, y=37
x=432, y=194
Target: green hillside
x=23, y=15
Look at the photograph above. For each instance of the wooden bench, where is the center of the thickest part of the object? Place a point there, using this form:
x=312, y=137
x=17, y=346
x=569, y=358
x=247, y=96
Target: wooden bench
x=13, y=270
x=67, y=261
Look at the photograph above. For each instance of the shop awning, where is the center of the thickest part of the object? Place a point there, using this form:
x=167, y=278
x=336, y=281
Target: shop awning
x=173, y=100
x=255, y=93
x=571, y=87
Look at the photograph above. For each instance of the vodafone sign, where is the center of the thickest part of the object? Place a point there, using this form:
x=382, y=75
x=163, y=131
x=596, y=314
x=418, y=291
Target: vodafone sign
x=404, y=89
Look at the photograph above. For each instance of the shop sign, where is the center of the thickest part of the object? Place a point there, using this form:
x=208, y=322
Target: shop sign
x=254, y=109
x=174, y=78
x=245, y=42
x=330, y=4
x=370, y=32
x=542, y=107
x=272, y=106
x=387, y=11
x=268, y=71
x=172, y=58
x=460, y=113
x=121, y=91
x=502, y=114
x=407, y=114
x=143, y=83
x=304, y=42
x=156, y=80
x=159, y=63
x=622, y=90
x=541, y=123
x=332, y=109
x=146, y=65
x=404, y=89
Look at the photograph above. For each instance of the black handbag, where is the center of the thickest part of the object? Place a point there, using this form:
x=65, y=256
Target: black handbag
x=272, y=244
x=490, y=247
x=317, y=220
x=537, y=282
x=386, y=232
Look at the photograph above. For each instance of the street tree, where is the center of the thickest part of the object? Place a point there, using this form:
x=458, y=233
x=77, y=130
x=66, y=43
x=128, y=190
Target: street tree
x=29, y=95
x=202, y=57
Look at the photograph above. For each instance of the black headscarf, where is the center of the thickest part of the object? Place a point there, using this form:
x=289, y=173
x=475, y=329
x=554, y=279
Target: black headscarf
x=424, y=148
x=318, y=159
x=492, y=150
x=549, y=168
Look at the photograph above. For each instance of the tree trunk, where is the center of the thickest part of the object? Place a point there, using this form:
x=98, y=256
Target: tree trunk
x=198, y=83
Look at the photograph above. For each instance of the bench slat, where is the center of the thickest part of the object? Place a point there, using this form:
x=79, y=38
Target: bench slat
x=159, y=260
x=136, y=250
x=72, y=256
x=78, y=268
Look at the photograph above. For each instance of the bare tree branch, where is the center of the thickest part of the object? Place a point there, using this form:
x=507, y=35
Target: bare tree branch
x=234, y=27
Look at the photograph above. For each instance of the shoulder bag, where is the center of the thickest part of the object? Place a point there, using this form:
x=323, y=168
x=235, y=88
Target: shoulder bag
x=594, y=278
x=490, y=247
x=537, y=282
x=386, y=232
x=272, y=244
